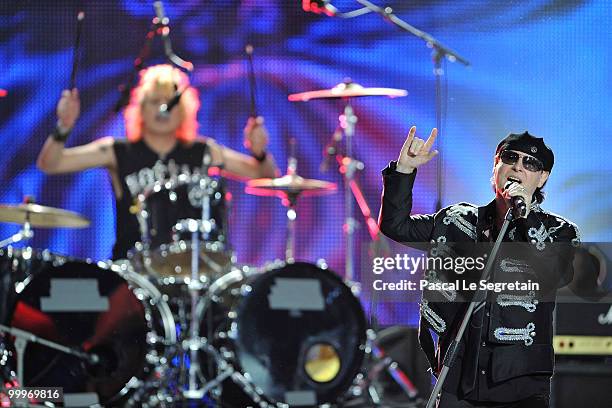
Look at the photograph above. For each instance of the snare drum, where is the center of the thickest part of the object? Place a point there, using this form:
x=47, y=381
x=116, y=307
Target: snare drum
x=169, y=215
x=100, y=309
x=296, y=333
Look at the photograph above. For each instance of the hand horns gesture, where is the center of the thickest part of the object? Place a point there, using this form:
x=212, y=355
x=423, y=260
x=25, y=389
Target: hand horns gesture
x=415, y=151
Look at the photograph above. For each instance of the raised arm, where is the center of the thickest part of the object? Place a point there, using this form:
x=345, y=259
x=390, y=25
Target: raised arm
x=55, y=158
x=395, y=220
x=260, y=164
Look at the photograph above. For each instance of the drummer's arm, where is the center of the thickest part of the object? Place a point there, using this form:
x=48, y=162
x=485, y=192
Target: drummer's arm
x=260, y=165
x=55, y=158
x=239, y=165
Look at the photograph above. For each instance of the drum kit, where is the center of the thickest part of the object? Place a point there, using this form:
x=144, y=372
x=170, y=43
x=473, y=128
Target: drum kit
x=179, y=323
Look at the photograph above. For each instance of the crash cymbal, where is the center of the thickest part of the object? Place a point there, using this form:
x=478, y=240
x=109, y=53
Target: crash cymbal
x=289, y=184
x=347, y=90
x=40, y=216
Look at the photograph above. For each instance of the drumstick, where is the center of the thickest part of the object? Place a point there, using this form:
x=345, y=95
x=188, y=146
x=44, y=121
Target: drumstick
x=75, y=50
x=249, y=52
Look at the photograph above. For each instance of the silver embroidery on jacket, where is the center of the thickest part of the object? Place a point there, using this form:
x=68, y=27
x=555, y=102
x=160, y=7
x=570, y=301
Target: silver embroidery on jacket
x=449, y=294
x=511, y=265
x=539, y=236
x=511, y=334
x=456, y=214
x=527, y=301
x=512, y=233
x=439, y=248
x=436, y=322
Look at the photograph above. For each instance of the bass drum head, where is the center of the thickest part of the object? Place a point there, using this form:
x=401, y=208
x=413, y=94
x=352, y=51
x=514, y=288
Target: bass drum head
x=300, y=335
x=100, y=310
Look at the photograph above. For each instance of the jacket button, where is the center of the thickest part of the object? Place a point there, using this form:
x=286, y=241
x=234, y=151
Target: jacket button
x=483, y=372
x=484, y=343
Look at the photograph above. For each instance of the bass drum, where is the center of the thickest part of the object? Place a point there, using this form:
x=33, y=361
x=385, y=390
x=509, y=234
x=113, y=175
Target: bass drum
x=296, y=333
x=98, y=308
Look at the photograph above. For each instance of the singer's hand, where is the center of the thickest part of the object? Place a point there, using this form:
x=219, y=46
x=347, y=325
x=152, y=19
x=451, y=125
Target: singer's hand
x=256, y=136
x=517, y=190
x=416, y=152
x=68, y=109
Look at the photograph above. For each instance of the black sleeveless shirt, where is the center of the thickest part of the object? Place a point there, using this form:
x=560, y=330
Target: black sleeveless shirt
x=139, y=168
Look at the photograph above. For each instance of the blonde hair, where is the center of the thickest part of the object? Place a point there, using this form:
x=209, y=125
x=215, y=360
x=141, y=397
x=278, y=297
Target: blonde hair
x=160, y=76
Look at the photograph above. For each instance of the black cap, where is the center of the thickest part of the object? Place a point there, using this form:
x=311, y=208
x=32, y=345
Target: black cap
x=528, y=144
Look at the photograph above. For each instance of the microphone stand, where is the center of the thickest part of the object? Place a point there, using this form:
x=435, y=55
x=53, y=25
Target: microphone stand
x=439, y=52
x=160, y=25
x=164, y=30
x=145, y=52
x=476, y=304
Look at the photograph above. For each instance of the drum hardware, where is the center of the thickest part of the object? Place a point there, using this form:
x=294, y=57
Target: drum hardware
x=203, y=257
x=30, y=215
x=367, y=385
x=364, y=382
x=21, y=342
x=288, y=188
x=25, y=234
x=194, y=343
x=39, y=216
x=344, y=90
x=171, y=214
x=183, y=249
x=348, y=120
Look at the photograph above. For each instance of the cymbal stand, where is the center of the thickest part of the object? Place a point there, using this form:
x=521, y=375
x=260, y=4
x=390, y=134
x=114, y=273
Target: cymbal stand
x=25, y=234
x=364, y=384
x=22, y=338
x=291, y=204
x=194, y=343
x=348, y=168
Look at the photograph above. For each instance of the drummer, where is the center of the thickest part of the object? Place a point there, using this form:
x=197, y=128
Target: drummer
x=157, y=145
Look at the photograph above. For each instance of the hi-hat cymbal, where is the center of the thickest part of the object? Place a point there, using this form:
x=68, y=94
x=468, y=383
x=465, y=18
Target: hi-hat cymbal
x=289, y=184
x=347, y=90
x=40, y=216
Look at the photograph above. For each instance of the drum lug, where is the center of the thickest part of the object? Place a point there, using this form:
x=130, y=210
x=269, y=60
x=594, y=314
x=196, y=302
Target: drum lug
x=152, y=358
x=245, y=290
x=153, y=338
x=322, y=263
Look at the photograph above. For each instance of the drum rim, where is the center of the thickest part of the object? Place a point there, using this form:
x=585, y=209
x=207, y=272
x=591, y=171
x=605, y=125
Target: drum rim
x=146, y=262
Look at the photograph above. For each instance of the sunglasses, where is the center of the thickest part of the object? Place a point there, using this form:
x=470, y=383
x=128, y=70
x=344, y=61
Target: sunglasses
x=529, y=163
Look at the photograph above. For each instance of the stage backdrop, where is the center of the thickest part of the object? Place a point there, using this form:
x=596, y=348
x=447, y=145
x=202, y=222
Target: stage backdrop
x=539, y=65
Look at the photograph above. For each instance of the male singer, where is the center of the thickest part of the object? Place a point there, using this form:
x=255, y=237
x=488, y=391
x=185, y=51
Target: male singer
x=506, y=356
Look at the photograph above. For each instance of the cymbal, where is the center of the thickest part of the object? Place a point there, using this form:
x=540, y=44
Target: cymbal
x=40, y=216
x=289, y=184
x=347, y=90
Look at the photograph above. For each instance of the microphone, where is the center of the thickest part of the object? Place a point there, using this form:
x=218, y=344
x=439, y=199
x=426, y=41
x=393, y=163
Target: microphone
x=319, y=7
x=165, y=108
x=519, y=206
